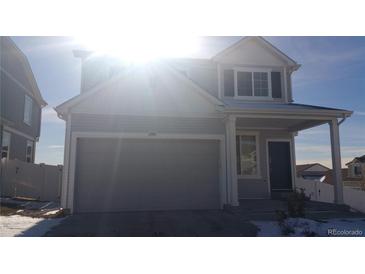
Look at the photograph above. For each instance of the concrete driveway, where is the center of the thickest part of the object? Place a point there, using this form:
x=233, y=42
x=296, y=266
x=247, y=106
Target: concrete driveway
x=224, y=223
x=156, y=223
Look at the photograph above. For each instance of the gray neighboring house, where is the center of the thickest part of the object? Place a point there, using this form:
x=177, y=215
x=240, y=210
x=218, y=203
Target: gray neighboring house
x=20, y=104
x=313, y=171
x=187, y=133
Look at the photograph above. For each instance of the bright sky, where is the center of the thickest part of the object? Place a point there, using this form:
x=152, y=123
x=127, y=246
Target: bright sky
x=332, y=75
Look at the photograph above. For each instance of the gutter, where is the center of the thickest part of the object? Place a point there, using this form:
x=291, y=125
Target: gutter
x=336, y=113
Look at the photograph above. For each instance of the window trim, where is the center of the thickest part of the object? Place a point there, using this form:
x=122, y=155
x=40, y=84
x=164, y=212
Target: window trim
x=26, y=151
x=2, y=139
x=252, y=70
x=29, y=99
x=258, y=174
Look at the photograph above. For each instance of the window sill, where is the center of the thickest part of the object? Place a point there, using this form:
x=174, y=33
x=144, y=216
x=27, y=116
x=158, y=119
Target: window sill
x=256, y=177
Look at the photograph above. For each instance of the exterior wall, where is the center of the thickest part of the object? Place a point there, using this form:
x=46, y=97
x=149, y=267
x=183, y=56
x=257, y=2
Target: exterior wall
x=12, y=108
x=252, y=53
x=137, y=124
x=259, y=188
x=204, y=75
x=15, y=83
x=136, y=96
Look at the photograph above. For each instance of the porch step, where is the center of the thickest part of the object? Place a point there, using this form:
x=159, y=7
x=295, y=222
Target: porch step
x=280, y=195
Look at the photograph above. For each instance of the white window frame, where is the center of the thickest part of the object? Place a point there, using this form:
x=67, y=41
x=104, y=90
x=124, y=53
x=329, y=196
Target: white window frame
x=28, y=111
x=26, y=151
x=2, y=140
x=258, y=158
x=252, y=70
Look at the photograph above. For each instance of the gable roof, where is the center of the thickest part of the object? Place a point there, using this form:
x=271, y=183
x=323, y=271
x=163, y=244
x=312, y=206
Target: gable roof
x=360, y=159
x=263, y=42
x=28, y=71
x=304, y=167
x=63, y=108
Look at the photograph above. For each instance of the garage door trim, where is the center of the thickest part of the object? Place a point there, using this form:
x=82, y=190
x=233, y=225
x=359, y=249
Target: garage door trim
x=148, y=136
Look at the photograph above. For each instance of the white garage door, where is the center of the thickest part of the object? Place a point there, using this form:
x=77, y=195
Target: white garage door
x=131, y=174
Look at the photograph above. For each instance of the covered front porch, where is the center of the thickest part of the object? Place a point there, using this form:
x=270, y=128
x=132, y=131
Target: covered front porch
x=261, y=148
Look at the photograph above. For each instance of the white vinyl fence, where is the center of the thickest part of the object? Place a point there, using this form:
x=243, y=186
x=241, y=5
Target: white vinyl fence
x=36, y=181
x=322, y=192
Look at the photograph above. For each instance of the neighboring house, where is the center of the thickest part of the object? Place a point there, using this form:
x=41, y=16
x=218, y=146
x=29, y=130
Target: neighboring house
x=348, y=180
x=187, y=133
x=313, y=171
x=323, y=174
x=353, y=176
x=356, y=168
x=21, y=104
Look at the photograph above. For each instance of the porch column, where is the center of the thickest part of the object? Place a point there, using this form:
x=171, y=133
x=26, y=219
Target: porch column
x=231, y=161
x=336, y=161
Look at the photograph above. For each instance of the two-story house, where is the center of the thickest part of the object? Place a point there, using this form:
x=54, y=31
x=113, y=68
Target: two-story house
x=187, y=133
x=20, y=104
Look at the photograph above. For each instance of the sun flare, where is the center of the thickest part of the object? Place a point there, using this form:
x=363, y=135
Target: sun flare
x=141, y=49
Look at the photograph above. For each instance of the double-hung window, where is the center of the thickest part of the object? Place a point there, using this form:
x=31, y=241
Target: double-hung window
x=5, y=145
x=247, y=155
x=252, y=84
x=28, y=108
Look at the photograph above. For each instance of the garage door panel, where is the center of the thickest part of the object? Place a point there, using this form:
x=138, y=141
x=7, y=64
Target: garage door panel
x=114, y=175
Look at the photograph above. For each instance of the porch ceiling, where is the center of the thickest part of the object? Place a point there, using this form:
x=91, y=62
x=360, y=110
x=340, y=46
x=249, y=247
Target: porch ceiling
x=278, y=123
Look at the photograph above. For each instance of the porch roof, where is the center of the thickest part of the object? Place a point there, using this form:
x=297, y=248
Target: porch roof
x=237, y=106
x=291, y=117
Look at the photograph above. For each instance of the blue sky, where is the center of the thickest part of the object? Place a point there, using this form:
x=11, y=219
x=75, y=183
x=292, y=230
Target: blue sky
x=332, y=74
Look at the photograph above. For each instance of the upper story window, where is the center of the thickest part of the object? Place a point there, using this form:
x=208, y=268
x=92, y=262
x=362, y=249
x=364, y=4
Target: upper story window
x=5, y=145
x=252, y=83
x=28, y=108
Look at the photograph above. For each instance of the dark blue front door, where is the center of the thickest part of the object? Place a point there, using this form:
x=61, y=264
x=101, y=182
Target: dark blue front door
x=280, y=166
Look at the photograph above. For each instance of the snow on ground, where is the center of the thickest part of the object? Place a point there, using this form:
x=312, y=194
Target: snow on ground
x=16, y=225
x=306, y=227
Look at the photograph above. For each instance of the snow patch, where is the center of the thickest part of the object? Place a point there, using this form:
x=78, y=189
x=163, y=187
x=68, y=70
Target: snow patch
x=16, y=225
x=306, y=227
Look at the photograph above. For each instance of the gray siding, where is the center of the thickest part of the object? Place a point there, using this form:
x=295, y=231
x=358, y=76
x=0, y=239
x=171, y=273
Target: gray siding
x=115, y=123
x=13, y=89
x=205, y=77
x=12, y=108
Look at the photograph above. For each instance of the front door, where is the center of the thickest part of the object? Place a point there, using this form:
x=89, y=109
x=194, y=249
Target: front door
x=280, y=166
